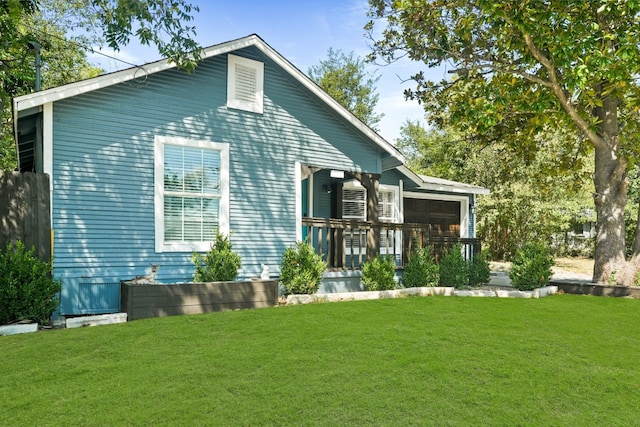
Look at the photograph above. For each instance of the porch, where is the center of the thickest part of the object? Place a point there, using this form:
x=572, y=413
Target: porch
x=347, y=244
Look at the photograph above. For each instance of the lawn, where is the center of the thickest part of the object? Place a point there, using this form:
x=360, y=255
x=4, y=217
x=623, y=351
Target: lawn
x=560, y=360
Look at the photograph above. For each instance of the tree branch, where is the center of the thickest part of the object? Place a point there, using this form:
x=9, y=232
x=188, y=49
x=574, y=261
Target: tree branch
x=558, y=91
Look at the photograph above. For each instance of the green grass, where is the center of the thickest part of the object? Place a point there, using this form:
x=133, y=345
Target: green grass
x=562, y=360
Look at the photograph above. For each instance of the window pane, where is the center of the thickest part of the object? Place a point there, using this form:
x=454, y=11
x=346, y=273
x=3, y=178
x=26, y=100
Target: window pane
x=190, y=219
x=211, y=167
x=386, y=206
x=173, y=219
x=354, y=203
x=173, y=168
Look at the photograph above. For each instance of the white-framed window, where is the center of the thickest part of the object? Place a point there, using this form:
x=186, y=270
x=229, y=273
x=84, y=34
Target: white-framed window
x=245, y=84
x=354, y=202
x=354, y=206
x=191, y=193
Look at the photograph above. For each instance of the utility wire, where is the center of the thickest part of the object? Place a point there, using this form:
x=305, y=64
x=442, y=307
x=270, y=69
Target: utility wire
x=89, y=49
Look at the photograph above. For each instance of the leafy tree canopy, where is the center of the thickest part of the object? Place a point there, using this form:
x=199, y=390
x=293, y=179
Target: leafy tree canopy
x=522, y=69
x=64, y=29
x=343, y=76
x=530, y=200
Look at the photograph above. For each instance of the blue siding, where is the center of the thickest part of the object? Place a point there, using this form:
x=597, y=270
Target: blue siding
x=103, y=172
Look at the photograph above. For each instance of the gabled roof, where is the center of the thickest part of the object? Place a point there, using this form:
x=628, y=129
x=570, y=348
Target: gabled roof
x=37, y=99
x=438, y=184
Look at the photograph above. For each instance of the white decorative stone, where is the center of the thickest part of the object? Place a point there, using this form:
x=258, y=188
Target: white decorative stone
x=97, y=320
x=545, y=291
x=475, y=293
x=445, y=291
x=18, y=328
x=514, y=294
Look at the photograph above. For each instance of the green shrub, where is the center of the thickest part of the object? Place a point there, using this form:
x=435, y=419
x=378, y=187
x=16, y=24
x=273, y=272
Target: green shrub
x=531, y=267
x=479, y=271
x=27, y=289
x=454, y=270
x=219, y=264
x=378, y=274
x=301, y=269
x=421, y=269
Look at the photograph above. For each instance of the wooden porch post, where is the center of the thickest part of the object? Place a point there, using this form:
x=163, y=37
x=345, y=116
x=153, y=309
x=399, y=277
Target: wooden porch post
x=371, y=182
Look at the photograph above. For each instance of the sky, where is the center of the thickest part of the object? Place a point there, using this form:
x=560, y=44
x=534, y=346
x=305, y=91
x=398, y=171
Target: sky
x=302, y=31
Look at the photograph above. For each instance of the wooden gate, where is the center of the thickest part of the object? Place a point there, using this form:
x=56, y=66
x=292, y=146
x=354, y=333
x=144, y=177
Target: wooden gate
x=25, y=211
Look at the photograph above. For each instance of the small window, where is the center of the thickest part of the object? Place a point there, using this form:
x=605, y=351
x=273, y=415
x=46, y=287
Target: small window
x=354, y=203
x=245, y=83
x=191, y=193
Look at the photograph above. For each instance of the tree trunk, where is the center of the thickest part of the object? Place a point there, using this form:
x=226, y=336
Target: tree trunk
x=611, y=184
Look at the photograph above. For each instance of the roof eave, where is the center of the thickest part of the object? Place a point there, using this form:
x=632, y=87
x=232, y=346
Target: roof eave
x=66, y=91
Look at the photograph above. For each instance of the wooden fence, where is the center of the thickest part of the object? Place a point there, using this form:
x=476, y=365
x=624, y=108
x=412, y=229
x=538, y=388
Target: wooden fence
x=25, y=211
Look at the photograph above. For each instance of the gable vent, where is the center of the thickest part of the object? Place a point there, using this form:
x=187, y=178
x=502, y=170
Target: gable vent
x=245, y=84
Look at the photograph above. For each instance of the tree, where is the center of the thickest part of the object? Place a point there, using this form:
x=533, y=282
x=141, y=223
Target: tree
x=524, y=68
x=531, y=198
x=49, y=22
x=344, y=78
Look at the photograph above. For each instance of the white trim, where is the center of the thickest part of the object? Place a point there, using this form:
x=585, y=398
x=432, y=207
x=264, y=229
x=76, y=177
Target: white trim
x=438, y=184
x=61, y=92
x=47, y=151
x=297, y=171
x=464, y=207
x=310, y=196
x=223, y=219
x=257, y=106
x=400, y=203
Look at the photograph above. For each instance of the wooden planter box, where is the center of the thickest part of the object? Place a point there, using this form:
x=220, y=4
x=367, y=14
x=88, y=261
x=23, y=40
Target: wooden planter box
x=141, y=301
x=597, y=289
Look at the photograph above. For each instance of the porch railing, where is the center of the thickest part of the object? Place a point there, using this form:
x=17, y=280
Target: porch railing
x=347, y=244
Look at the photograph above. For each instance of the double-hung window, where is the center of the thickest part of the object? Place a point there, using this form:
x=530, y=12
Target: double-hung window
x=191, y=193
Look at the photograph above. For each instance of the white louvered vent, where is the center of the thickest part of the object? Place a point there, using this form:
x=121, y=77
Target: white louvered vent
x=245, y=84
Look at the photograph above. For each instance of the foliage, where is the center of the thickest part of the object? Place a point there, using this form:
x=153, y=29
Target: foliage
x=531, y=267
x=343, y=76
x=220, y=264
x=454, y=270
x=301, y=269
x=379, y=273
x=50, y=24
x=27, y=290
x=522, y=71
x=528, y=202
x=479, y=271
x=421, y=269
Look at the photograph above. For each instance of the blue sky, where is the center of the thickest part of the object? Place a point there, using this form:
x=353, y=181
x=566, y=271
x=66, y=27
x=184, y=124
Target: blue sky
x=302, y=31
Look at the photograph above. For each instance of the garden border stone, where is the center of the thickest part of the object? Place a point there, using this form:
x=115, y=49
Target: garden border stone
x=414, y=292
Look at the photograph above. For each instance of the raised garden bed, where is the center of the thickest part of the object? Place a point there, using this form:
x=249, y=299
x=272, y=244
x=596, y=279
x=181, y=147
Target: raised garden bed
x=158, y=300
x=587, y=288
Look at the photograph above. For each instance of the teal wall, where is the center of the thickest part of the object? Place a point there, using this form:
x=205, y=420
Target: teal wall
x=103, y=172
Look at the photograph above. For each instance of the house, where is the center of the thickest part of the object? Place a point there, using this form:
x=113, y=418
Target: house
x=146, y=163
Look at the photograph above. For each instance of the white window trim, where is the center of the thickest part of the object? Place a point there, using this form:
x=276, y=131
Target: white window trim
x=232, y=102
x=223, y=219
x=464, y=207
x=397, y=216
x=397, y=210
